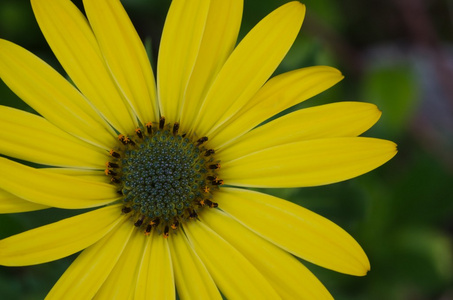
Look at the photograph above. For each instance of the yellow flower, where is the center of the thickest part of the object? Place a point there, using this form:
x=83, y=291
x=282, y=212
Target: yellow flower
x=165, y=163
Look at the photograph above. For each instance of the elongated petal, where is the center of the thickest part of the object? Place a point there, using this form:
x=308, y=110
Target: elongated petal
x=219, y=39
x=278, y=94
x=296, y=230
x=288, y=276
x=125, y=55
x=236, y=277
x=155, y=277
x=91, y=175
x=59, y=239
x=308, y=163
x=340, y=119
x=51, y=95
x=250, y=65
x=121, y=282
x=181, y=38
x=88, y=272
x=53, y=189
x=30, y=137
x=74, y=44
x=13, y=204
x=193, y=280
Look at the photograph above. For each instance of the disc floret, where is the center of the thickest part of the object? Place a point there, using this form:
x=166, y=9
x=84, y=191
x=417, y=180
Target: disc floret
x=166, y=178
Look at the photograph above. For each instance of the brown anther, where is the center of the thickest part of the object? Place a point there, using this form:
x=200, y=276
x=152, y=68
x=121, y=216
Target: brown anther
x=148, y=229
x=217, y=182
x=139, y=133
x=114, y=180
x=193, y=215
x=123, y=139
x=209, y=152
x=139, y=222
x=211, y=204
x=175, y=225
x=175, y=128
x=155, y=222
x=161, y=122
x=212, y=178
x=166, y=230
x=110, y=172
x=111, y=165
x=214, y=166
x=149, y=127
x=114, y=154
x=126, y=210
x=202, y=140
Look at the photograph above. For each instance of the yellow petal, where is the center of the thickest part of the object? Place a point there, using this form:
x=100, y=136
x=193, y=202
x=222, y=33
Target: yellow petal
x=236, y=277
x=125, y=55
x=88, y=272
x=178, y=50
x=250, y=65
x=121, y=282
x=52, y=96
x=295, y=229
x=30, y=137
x=59, y=239
x=340, y=119
x=219, y=39
x=155, y=277
x=57, y=190
x=308, y=163
x=278, y=94
x=13, y=204
x=91, y=175
x=193, y=280
x=69, y=35
x=288, y=276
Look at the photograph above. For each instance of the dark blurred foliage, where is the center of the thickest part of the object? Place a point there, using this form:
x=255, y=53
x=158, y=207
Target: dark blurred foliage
x=395, y=53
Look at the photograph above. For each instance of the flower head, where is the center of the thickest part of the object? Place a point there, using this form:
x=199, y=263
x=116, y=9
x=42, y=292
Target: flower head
x=165, y=163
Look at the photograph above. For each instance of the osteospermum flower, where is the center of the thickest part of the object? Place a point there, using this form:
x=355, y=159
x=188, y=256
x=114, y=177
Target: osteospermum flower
x=165, y=165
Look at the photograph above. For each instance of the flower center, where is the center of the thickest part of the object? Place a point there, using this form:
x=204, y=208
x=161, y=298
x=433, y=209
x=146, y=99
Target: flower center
x=165, y=178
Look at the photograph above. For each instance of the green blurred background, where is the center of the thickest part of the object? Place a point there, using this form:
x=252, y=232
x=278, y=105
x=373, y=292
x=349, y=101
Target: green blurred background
x=397, y=54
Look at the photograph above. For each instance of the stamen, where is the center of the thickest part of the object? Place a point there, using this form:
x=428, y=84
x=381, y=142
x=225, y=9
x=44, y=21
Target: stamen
x=211, y=204
x=139, y=133
x=166, y=230
x=149, y=127
x=126, y=210
x=111, y=165
x=161, y=123
x=175, y=128
x=114, y=154
x=193, y=215
x=110, y=172
x=148, y=229
x=214, y=167
x=139, y=222
x=175, y=225
x=209, y=152
x=217, y=182
x=202, y=140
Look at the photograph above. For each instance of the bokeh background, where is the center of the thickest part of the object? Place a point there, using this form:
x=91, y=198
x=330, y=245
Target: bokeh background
x=397, y=54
